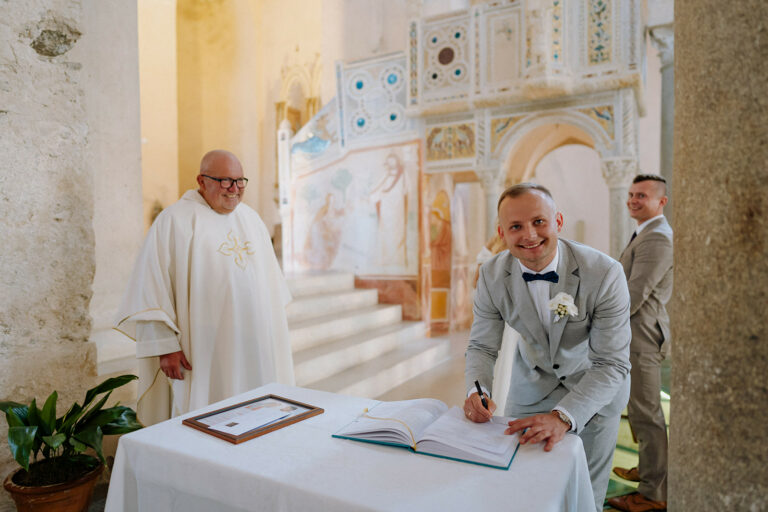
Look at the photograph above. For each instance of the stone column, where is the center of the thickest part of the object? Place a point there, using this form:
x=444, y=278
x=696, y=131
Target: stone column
x=618, y=174
x=493, y=186
x=70, y=191
x=663, y=39
x=718, y=448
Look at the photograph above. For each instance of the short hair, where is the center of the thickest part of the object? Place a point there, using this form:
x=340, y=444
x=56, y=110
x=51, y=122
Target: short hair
x=649, y=177
x=523, y=188
x=652, y=177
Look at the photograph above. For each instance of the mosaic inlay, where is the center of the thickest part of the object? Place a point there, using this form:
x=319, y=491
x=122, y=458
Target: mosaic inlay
x=603, y=115
x=501, y=126
x=599, y=31
x=557, y=31
x=452, y=141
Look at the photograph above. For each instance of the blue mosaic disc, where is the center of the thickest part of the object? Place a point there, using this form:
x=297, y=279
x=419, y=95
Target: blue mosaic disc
x=392, y=78
x=360, y=122
x=359, y=84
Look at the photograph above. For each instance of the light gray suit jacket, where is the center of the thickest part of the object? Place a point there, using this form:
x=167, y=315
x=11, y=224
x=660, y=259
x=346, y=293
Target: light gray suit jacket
x=647, y=263
x=588, y=354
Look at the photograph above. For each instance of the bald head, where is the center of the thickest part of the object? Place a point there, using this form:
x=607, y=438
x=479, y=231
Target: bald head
x=217, y=165
x=217, y=158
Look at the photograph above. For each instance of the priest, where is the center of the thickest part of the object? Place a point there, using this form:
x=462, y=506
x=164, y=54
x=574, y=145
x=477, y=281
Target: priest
x=206, y=300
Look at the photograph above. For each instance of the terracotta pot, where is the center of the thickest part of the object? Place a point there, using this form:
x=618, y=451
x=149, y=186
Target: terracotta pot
x=74, y=496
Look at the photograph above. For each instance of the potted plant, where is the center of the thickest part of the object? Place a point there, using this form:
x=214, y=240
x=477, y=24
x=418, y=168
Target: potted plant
x=64, y=477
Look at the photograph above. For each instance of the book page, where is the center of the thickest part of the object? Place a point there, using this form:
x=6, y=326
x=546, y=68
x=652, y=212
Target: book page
x=397, y=422
x=453, y=435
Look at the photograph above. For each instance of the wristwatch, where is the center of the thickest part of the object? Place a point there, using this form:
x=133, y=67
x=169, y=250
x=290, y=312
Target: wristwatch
x=563, y=417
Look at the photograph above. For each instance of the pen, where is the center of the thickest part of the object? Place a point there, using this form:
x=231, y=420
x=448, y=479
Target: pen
x=480, y=392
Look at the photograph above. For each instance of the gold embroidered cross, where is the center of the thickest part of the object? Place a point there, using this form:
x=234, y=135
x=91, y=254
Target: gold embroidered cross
x=235, y=249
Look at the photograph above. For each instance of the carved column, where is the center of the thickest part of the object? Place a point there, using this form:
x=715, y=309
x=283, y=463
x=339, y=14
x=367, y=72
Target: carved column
x=284, y=135
x=618, y=174
x=663, y=39
x=493, y=186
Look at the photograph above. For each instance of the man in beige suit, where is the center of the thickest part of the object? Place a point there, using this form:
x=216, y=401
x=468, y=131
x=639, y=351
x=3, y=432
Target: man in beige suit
x=647, y=263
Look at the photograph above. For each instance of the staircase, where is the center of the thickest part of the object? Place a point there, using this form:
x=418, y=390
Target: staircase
x=343, y=341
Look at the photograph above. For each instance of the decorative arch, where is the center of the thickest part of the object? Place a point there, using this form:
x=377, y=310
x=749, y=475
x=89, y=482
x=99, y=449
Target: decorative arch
x=532, y=137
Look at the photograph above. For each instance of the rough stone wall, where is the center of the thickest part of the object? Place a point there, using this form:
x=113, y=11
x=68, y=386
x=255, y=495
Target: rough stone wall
x=46, y=209
x=718, y=449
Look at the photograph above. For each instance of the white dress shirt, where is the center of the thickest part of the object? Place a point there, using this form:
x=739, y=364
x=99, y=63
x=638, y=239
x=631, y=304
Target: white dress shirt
x=539, y=291
x=642, y=226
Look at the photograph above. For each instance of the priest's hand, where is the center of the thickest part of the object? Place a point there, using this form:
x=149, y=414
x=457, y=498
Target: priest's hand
x=541, y=427
x=171, y=364
x=474, y=410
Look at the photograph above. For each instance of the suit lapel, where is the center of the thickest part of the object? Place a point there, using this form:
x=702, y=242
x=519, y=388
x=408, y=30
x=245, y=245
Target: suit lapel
x=647, y=229
x=568, y=270
x=523, y=304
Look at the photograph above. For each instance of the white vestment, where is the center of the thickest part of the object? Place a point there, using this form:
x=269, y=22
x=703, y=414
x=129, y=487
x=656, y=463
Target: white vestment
x=211, y=282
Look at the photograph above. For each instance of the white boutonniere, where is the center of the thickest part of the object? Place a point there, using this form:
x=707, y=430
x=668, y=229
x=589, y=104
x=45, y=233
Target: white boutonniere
x=563, y=305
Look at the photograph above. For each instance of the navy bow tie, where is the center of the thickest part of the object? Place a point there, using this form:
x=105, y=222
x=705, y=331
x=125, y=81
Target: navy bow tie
x=549, y=276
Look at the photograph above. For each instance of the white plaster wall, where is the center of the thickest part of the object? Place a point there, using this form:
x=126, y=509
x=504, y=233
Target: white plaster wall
x=159, y=105
x=572, y=173
x=649, y=126
x=111, y=93
x=279, y=38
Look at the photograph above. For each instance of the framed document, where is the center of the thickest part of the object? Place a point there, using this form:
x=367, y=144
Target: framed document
x=252, y=418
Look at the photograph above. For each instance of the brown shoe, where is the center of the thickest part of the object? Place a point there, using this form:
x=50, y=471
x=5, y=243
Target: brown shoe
x=636, y=502
x=628, y=474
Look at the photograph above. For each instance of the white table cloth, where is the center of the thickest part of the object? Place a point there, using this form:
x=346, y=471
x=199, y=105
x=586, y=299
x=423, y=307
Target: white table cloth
x=172, y=467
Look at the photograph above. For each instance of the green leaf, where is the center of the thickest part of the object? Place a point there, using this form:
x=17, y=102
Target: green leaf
x=125, y=421
x=93, y=411
x=107, y=385
x=55, y=440
x=70, y=417
x=77, y=445
x=4, y=406
x=34, y=420
x=48, y=414
x=92, y=436
x=12, y=416
x=20, y=440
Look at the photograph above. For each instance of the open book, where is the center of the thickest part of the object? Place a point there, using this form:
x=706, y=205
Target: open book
x=429, y=427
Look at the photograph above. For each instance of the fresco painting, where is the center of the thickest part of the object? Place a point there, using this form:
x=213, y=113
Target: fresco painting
x=361, y=213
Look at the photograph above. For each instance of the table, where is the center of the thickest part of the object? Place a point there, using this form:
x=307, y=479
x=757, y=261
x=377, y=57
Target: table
x=170, y=466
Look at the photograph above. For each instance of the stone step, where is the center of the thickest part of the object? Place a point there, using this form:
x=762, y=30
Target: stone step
x=308, y=333
x=383, y=373
x=322, y=361
x=314, y=306
x=302, y=285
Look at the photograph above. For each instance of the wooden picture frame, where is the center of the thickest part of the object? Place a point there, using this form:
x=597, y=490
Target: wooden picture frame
x=264, y=414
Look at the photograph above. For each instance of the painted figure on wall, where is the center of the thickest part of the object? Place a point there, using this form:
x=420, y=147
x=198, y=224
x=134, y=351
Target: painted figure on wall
x=322, y=242
x=440, y=238
x=390, y=197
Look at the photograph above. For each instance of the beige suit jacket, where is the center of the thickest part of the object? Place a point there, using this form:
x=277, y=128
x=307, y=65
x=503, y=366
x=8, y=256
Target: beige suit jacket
x=647, y=263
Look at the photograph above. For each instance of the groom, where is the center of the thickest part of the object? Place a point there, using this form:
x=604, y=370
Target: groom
x=571, y=372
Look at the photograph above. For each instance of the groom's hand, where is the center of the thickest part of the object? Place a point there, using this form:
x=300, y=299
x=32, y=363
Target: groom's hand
x=474, y=410
x=541, y=427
